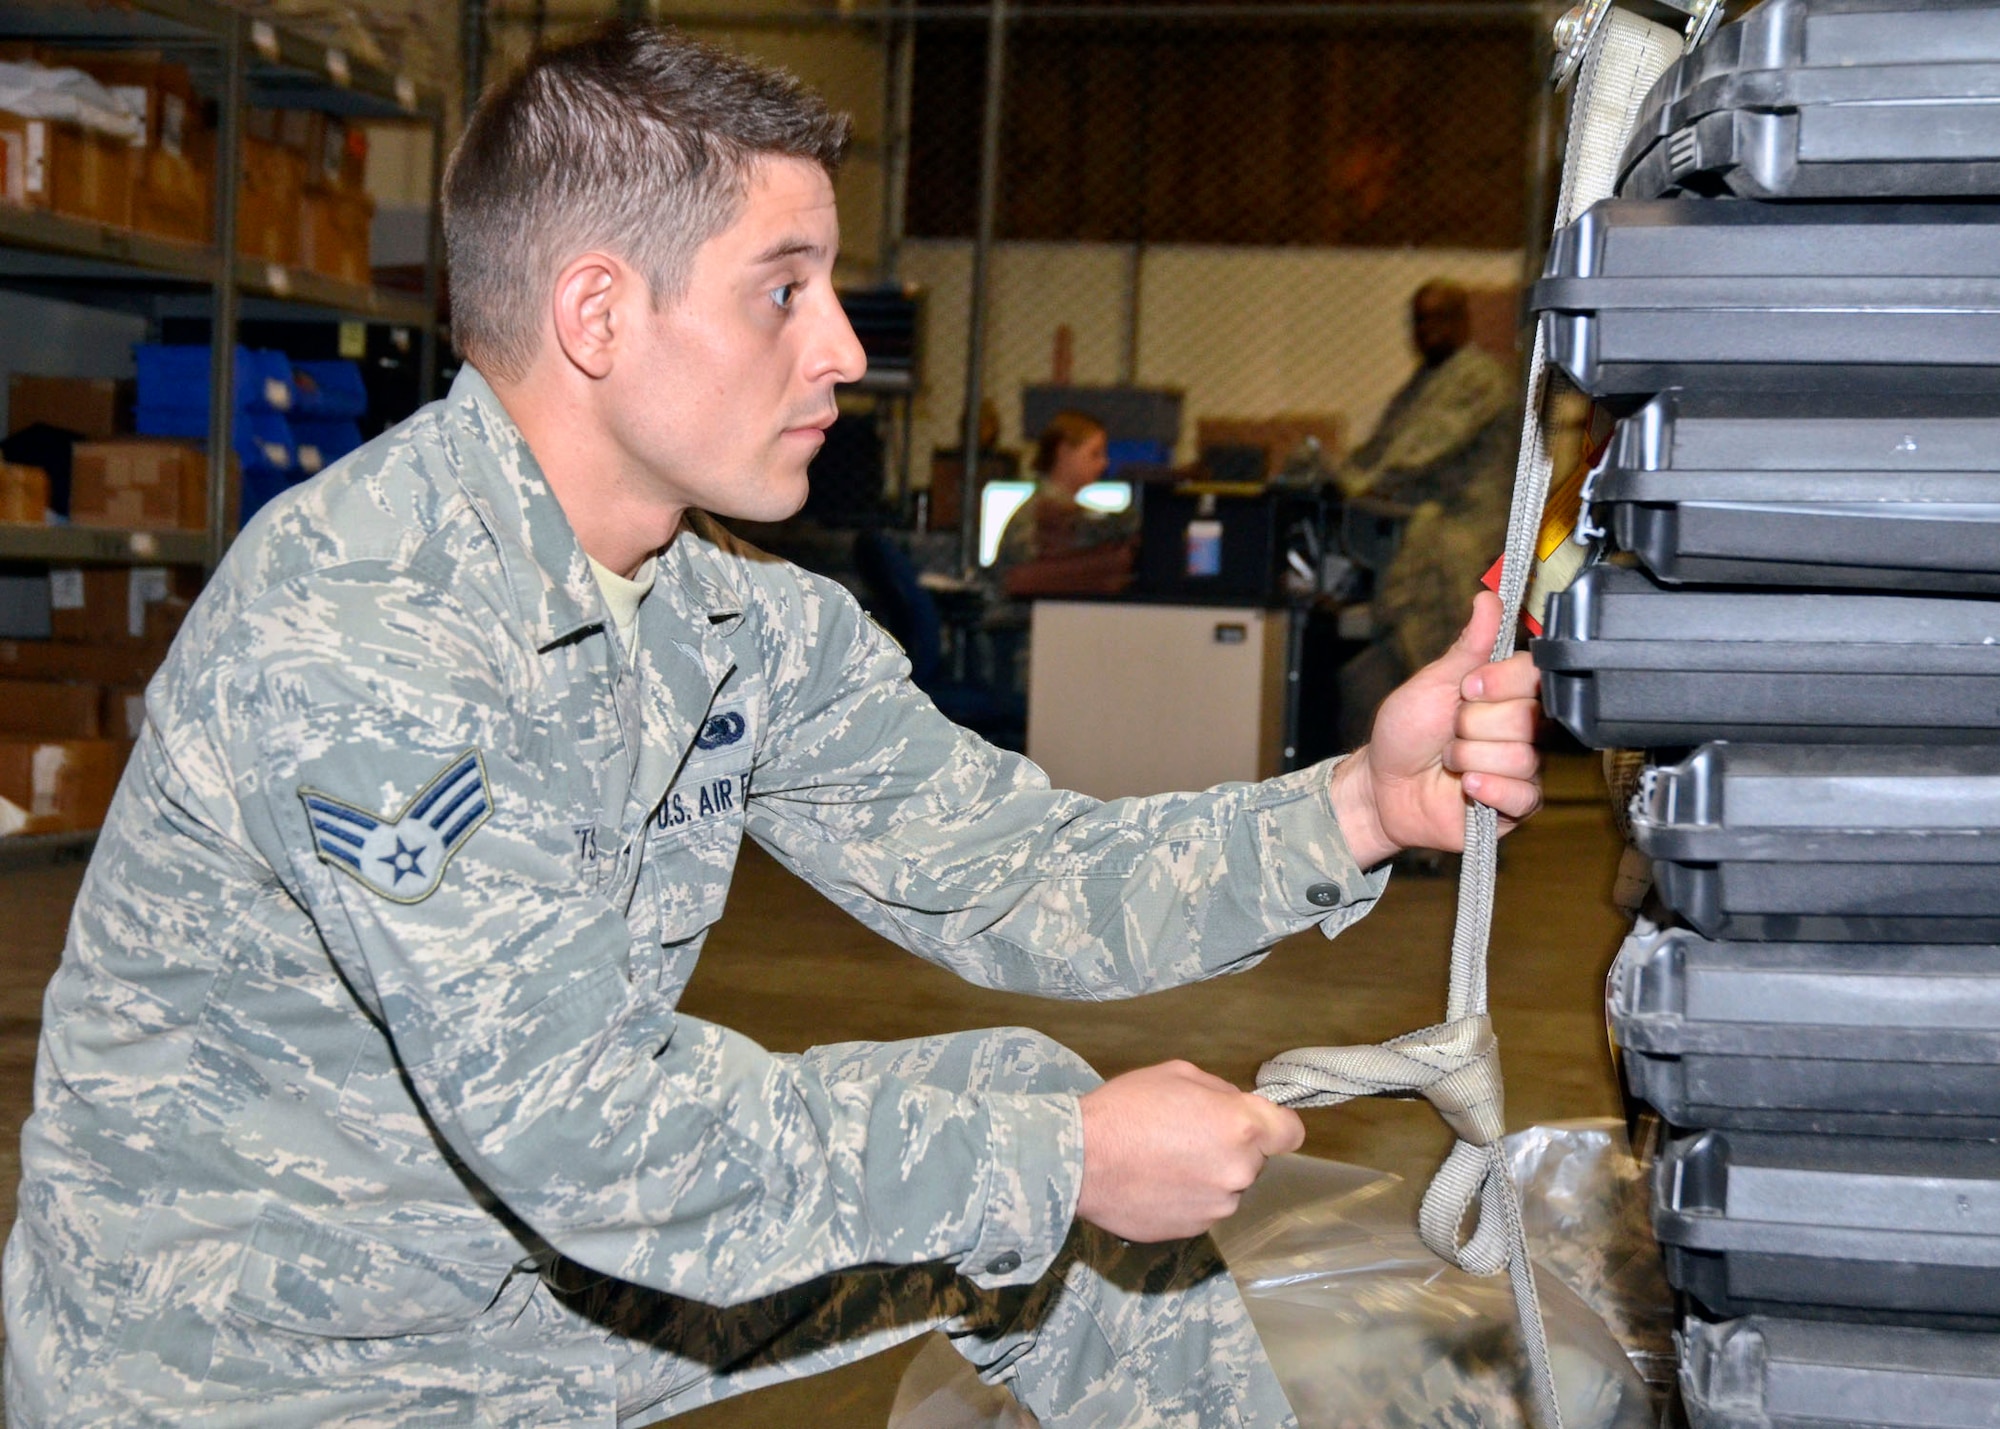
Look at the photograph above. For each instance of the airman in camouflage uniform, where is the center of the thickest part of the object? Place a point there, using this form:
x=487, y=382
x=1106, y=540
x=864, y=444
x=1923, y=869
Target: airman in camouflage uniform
x=1444, y=448
x=363, y=1097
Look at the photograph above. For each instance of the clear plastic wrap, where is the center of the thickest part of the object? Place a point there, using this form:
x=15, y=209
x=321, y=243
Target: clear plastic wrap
x=1368, y=1330
x=1587, y=1207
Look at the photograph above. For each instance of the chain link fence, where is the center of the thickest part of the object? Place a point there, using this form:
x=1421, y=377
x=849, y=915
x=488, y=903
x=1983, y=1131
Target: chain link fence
x=1233, y=201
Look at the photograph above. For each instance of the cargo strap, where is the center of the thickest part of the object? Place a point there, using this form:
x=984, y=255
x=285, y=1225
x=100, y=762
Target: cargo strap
x=1456, y=1064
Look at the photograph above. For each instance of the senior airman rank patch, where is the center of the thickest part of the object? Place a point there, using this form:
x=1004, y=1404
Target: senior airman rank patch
x=403, y=858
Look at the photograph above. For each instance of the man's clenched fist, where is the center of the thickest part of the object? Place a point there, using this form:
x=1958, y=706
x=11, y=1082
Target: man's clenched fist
x=1169, y=1150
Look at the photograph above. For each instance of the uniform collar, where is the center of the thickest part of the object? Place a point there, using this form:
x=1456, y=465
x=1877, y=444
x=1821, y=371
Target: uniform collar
x=553, y=586
x=544, y=562
x=703, y=564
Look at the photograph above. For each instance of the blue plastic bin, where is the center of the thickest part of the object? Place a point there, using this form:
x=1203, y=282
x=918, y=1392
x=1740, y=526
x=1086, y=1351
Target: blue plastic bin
x=329, y=390
x=321, y=444
x=176, y=375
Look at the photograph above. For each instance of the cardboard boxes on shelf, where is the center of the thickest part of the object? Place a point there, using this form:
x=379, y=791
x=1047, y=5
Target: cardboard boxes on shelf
x=335, y=238
x=301, y=200
x=90, y=175
x=70, y=706
x=139, y=483
x=50, y=709
x=95, y=408
x=338, y=213
x=24, y=161
x=124, y=713
x=127, y=663
x=58, y=785
x=24, y=494
x=173, y=160
x=168, y=170
x=107, y=605
x=268, y=204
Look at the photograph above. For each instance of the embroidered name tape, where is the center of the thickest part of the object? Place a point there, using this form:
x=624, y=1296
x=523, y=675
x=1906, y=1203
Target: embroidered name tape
x=402, y=858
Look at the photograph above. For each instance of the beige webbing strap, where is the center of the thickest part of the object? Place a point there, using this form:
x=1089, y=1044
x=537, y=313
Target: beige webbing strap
x=1456, y=1064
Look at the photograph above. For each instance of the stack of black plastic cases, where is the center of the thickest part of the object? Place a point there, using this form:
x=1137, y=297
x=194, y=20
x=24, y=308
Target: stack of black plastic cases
x=1794, y=307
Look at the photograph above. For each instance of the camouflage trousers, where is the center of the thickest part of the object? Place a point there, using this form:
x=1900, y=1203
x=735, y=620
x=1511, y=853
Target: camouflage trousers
x=1113, y=1335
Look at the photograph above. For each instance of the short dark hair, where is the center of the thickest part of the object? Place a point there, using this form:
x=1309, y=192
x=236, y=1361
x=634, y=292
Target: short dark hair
x=1065, y=429
x=638, y=140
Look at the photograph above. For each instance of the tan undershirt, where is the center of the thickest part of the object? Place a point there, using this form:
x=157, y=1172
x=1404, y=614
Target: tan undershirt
x=622, y=597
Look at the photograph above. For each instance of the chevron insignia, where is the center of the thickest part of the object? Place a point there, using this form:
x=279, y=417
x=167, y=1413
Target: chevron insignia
x=402, y=858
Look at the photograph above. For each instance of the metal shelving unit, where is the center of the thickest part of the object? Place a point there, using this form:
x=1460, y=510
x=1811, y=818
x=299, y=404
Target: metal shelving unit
x=240, y=62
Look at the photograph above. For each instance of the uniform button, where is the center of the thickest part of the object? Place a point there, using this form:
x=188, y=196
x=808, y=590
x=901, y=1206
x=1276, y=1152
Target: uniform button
x=1323, y=895
x=1005, y=1264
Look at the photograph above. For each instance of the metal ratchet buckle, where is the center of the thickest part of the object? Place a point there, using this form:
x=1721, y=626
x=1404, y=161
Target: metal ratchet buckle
x=1578, y=27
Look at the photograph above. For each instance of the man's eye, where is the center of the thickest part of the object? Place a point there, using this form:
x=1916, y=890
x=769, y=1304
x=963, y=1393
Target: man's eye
x=783, y=295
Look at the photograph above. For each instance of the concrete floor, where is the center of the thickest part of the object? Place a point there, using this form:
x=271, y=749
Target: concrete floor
x=790, y=970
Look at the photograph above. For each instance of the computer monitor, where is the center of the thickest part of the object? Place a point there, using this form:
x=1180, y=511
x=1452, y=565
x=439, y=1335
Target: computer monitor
x=999, y=500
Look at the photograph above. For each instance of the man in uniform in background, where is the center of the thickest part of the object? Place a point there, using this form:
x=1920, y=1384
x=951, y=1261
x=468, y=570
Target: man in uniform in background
x=1441, y=460
x=363, y=1097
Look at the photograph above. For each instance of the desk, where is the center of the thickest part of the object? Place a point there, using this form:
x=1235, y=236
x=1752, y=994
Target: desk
x=1137, y=698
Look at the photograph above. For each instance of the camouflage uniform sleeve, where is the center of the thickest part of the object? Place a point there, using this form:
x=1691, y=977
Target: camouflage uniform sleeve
x=1454, y=410
x=531, y=1021
x=963, y=854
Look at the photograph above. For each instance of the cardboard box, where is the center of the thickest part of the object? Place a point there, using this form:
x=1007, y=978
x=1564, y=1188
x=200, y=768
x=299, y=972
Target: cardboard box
x=338, y=154
x=336, y=235
x=173, y=160
x=90, y=605
x=294, y=129
x=124, y=715
x=175, y=196
x=24, y=161
x=24, y=494
x=95, y=408
x=90, y=175
x=58, y=785
x=124, y=663
x=267, y=206
x=47, y=709
x=139, y=483
x=99, y=605
x=1278, y=436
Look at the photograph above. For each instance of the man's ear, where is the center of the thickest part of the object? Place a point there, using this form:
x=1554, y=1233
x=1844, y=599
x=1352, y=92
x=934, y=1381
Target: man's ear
x=589, y=301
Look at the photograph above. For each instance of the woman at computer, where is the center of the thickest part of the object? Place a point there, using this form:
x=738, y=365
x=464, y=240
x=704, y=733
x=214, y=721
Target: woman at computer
x=1054, y=545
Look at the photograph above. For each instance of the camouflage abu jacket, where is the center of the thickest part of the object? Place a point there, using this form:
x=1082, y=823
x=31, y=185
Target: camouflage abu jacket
x=369, y=998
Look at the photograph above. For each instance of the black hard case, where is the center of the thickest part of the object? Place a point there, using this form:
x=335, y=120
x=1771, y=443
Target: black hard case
x=1805, y=491
x=1842, y=844
x=1841, y=1227
x=1629, y=663
x=1856, y=1039
x=1643, y=295
x=1764, y=1373
x=1829, y=99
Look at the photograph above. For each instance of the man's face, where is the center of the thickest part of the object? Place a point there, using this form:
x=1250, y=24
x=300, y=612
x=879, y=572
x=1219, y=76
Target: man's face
x=724, y=395
x=1439, y=323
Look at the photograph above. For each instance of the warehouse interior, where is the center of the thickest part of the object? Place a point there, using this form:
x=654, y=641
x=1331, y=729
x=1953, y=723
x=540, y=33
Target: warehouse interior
x=1218, y=353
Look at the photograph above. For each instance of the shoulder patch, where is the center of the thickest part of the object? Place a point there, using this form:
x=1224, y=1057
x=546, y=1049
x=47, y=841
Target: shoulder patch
x=402, y=857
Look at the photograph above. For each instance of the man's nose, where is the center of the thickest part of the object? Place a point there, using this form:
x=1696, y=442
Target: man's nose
x=837, y=352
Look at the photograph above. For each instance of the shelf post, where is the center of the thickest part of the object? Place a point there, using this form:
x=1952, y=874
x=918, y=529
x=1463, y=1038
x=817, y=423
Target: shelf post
x=223, y=291
x=427, y=342
x=982, y=251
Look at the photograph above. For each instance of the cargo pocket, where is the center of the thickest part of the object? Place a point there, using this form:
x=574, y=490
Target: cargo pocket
x=316, y=1279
